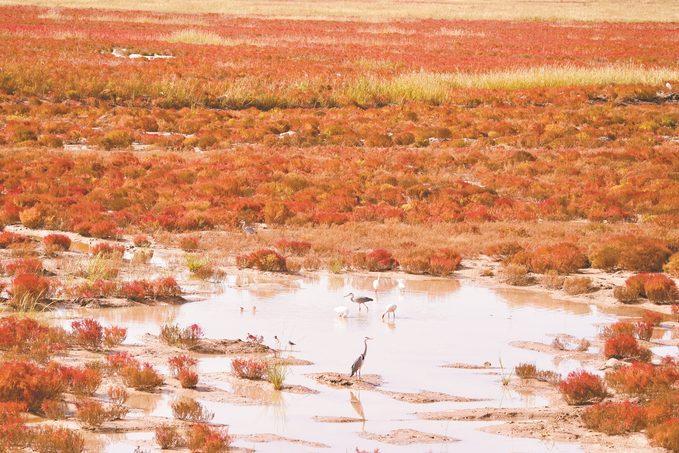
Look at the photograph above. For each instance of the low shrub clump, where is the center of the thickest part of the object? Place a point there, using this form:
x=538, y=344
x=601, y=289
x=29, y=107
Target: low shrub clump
x=376, y=261
x=141, y=241
x=81, y=381
x=141, y=377
x=248, y=368
x=180, y=363
x=287, y=247
x=188, y=379
x=516, y=275
x=53, y=439
x=116, y=362
x=615, y=418
x=581, y=387
x=665, y=435
x=208, y=439
x=28, y=290
x=623, y=346
x=114, y=336
x=564, y=258
x=91, y=414
x=25, y=266
x=644, y=379
x=443, y=262
x=88, y=333
x=107, y=250
x=577, y=285
x=187, y=337
x=26, y=337
x=263, y=260
x=191, y=410
x=56, y=243
x=168, y=437
x=29, y=384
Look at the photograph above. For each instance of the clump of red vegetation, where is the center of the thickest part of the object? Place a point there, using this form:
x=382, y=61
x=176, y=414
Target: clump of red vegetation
x=582, y=387
x=248, y=368
x=263, y=260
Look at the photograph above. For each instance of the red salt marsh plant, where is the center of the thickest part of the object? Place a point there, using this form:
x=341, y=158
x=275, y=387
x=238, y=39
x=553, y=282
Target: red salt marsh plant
x=25, y=266
x=88, y=333
x=29, y=384
x=665, y=435
x=582, y=387
x=248, y=368
x=644, y=380
x=168, y=437
x=28, y=290
x=614, y=418
x=288, y=247
x=56, y=243
x=114, y=336
x=141, y=376
x=119, y=360
x=81, y=381
x=206, y=438
x=180, y=363
x=623, y=346
x=54, y=439
x=263, y=260
x=91, y=414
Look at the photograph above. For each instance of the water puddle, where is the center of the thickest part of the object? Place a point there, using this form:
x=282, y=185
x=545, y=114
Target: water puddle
x=437, y=323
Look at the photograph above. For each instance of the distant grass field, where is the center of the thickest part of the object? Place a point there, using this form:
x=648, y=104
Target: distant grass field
x=380, y=10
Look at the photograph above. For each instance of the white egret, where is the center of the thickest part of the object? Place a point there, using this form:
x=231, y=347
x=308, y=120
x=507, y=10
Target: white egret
x=391, y=308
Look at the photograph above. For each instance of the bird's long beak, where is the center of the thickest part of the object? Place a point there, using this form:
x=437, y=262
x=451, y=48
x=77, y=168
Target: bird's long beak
x=347, y=295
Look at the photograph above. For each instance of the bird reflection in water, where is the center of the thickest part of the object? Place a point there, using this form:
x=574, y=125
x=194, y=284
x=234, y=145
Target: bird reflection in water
x=358, y=407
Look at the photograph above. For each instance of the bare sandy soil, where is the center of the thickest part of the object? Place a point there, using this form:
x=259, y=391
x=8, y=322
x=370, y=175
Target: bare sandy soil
x=557, y=422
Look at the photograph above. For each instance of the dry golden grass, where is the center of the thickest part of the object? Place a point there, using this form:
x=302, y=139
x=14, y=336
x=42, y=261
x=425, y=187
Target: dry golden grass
x=383, y=10
x=434, y=87
x=398, y=238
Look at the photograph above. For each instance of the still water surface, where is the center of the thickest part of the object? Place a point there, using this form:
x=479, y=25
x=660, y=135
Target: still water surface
x=438, y=322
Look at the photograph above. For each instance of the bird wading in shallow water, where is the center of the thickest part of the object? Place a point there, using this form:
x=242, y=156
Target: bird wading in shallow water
x=359, y=300
x=391, y=308
x=248, y=230
x=358, y=363
x=343, y=312
x=376, y=282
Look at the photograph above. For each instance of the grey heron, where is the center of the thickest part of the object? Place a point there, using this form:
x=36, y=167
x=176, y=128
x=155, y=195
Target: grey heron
x=391, y=308
x=360, y=300
x=358, y=363
x=343, y=312
x=248, y=230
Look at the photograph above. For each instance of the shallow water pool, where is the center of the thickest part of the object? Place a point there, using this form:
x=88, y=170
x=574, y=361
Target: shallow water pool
x=438, y=322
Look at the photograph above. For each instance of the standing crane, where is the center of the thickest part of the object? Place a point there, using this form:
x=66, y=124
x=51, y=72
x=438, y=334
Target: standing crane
x=360, y=300
x=248, y=230
x=358, y=363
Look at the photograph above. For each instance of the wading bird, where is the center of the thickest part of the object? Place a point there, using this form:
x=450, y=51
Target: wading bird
x=391, y=308
x=401, y=286
x=248, y=230
x=360, y=300
x=376, y=282
x=343, y=312
x=356, y=367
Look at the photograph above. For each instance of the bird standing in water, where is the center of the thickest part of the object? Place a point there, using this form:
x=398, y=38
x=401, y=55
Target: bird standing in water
x=358, y=363
x=391, y=308
x=376, y=282
x=360, y=300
